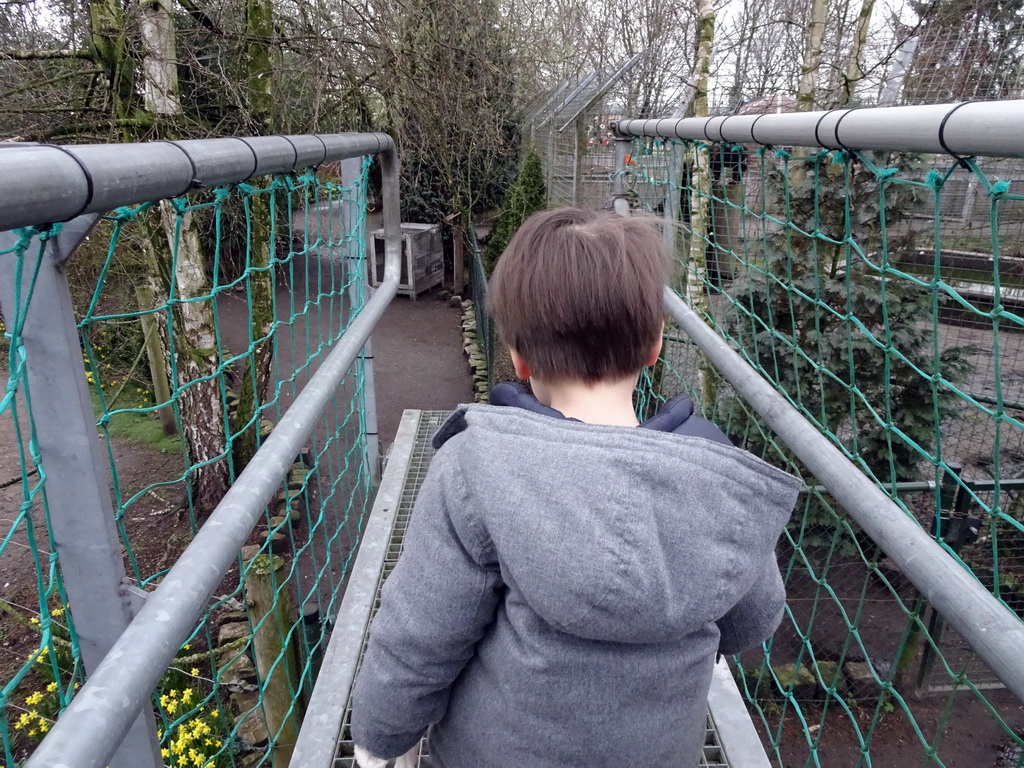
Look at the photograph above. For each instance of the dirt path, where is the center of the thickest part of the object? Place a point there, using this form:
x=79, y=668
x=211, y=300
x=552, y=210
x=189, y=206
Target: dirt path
x=420, y=364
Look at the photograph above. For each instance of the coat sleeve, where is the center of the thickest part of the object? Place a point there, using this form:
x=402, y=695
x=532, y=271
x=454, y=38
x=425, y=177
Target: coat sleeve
x=757, y=615
x=435, y=606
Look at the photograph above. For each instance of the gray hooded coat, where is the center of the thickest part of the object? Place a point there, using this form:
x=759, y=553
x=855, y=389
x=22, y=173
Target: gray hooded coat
x=563, y=591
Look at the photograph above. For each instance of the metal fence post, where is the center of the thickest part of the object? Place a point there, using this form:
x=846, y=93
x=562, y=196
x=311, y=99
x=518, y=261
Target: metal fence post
x=77, y=479
x=622, y=146
x=355, y=259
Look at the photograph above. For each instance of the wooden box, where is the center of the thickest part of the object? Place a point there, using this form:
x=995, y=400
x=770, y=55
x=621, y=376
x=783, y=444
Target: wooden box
x=422, y=258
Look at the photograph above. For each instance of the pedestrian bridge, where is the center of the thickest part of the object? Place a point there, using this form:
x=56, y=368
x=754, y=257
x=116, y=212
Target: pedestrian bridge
x=201, y=597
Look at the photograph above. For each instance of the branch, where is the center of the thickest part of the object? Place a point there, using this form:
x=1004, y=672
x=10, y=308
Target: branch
x=199, y=15
x=28, y=55
x=79, y=129
x=48, y=110
x=51, y=81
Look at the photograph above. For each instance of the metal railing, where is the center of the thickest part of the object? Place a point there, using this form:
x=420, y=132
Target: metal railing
x=810, y=332
x=129, y=638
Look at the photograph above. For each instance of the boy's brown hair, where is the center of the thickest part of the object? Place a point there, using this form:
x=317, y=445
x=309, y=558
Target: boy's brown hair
x=578, y=294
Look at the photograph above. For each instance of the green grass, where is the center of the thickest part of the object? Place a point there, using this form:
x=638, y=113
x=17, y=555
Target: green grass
x=137, y=428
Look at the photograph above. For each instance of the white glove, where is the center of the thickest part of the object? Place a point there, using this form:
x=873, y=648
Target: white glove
x=365, y=760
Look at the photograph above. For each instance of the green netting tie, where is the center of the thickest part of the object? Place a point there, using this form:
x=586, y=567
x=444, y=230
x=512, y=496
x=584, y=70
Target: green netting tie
x=999, y=189
x=13, y=380
x=781, y=153
x=25, y=236
x=840, y=156
x=885, y=173
x=934, y=179
x=125, y=212
x=49, y=230
x=306, y=179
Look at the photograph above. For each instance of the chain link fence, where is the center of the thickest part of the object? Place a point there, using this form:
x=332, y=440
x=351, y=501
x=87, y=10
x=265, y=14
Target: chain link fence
x=570, y=128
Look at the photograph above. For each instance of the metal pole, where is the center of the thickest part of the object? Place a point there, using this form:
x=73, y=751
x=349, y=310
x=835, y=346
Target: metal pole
x=576, y=166
x=964, y=129
x=81, y=514
x=96, y=721
x=355, y=256
x=44, y=183
x=620, y=204
x=996, y=634
x=894, y=82
x=373, y=456
x=318, y=739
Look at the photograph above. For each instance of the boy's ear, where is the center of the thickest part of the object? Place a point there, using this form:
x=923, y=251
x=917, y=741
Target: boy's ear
x=522, y=369
x=655, y=352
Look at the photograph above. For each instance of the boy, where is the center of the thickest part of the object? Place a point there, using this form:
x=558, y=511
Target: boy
x=568, y=574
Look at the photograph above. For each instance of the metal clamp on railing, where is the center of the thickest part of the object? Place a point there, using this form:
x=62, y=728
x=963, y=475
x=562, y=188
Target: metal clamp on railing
x=45, y=184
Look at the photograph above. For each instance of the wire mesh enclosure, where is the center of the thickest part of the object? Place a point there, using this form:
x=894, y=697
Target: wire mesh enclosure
x=569, y=126
x=186, y=379
x=878, y=293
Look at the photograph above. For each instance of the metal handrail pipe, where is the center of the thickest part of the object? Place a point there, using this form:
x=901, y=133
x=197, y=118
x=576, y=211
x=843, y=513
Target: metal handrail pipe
x=47, y=183
x=961, y=129
x=87, y=733
x=994, y=632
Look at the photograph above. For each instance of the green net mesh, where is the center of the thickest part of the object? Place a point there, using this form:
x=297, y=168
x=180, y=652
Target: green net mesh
x=188, y=376
x=880, y=293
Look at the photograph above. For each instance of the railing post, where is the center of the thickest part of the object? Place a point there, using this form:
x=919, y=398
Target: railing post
x=620, y=204
x=81, y=514
x=355, y=259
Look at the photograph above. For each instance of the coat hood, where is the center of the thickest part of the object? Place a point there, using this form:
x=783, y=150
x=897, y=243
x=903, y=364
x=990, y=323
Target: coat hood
x=615, y=533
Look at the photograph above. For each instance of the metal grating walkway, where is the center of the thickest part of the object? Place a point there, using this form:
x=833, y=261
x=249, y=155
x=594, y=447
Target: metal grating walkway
x=730, y=739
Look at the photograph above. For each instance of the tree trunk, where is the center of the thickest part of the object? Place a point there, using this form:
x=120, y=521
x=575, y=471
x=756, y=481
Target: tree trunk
x=159, y=66
x=195, y=358
x=814, y=44
x=259, y=34
x=853, y=74
x=700, y=188
x=256, y=374
x=259, y=31
x=108, y=44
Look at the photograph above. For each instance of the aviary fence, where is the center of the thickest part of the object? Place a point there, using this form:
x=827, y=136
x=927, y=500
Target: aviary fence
x=188, y=462
x=570, y=128
x=835, y=317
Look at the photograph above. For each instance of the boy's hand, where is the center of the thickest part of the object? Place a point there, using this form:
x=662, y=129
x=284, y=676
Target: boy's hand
x=365, y=760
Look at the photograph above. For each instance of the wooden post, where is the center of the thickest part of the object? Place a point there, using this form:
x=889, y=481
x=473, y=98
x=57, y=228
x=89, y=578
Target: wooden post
x=155, y=353
x=458, y=253
x=459, y=256
x=276, y=661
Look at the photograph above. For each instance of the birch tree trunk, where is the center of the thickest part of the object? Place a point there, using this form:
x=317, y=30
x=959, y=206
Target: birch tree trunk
x=700, y=188
x=180, y=269
x=160, y=68
x=854, y=74
x=814, y=45
x=195, y=359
